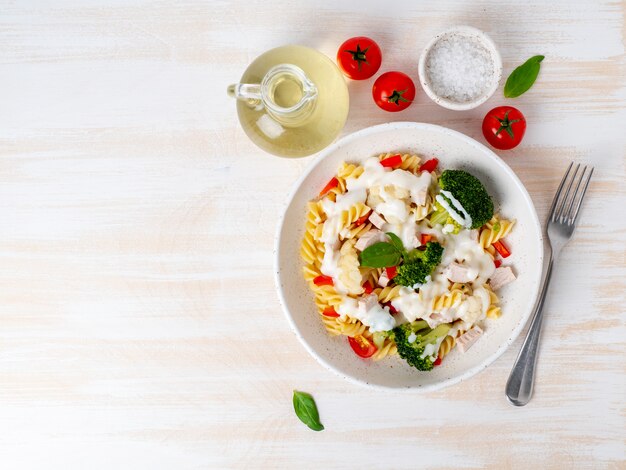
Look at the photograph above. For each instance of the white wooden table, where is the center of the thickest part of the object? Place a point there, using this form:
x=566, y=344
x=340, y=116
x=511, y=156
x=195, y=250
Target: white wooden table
x=139, y=327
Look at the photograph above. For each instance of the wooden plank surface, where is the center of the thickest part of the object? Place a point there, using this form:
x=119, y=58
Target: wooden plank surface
x=139, y=326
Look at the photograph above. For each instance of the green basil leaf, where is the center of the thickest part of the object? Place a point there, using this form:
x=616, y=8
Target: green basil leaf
x=523, y=77
x=380, y=255
x=395, y=241
x=306, y=410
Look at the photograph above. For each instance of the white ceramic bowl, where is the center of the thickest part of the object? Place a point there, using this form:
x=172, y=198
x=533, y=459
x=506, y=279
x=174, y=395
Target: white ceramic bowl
x=454, y=150
x=472, y=34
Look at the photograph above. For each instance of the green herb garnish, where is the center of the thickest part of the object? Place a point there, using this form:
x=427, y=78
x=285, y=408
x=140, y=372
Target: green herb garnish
x=395, y=241
x=523, y=77
x=306, y=410
x=381, y=255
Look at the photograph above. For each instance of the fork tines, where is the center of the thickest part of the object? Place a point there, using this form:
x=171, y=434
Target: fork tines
x=565, y=207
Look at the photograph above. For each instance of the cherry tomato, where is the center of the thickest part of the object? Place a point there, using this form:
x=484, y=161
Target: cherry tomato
x=393, y=91
x=359, y=58
x=361, y=346
x=504, y=127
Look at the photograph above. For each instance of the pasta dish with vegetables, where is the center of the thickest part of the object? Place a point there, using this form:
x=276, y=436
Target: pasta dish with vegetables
x=404, y=259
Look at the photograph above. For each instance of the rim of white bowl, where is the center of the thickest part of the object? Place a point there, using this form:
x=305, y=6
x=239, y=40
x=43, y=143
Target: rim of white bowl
x=495, y=55
x=279, y=233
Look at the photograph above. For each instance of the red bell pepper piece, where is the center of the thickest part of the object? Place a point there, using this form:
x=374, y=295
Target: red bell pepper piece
x=361, y=220
x=330, y=312
x=425, y=238
x=392, y=272
x=391, y=162
x=392, y=309
x=501, y=249
x=429, y=165
x=332, y=184
x=322, y=280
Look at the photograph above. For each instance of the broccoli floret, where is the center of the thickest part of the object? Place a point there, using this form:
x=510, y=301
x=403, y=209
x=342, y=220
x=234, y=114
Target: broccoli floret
x=470, y=192
x=419, y=264
x=412, y=352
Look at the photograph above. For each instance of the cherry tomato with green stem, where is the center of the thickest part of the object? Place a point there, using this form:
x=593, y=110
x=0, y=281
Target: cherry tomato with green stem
x=504, y=127
x=393, y=91
x=359, y=58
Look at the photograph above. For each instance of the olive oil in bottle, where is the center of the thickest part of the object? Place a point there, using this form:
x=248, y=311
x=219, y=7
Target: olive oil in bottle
x=292, y=101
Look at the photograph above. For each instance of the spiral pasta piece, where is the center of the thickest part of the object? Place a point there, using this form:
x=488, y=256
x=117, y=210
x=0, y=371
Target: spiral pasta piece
x=326, y=295
x=349, y=170
x=493, y=311
x=494, y=230
x=448, y=344
x=465, y=288
x=310, y=272
x=387, y=294
x=347, y=327
x=448, y=300
x=311, y=250
x=354, y=231
x=389, y=349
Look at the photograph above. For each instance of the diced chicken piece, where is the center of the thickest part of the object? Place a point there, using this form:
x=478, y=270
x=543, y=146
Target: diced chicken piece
x=367, y=302
x=377, y=220
x=383, y=279
x=371, y=237
x=501, y=277
x=465, y=341
x=458, y=273
x=474, y=234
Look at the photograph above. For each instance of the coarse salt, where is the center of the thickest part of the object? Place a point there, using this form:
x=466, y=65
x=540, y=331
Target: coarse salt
x=460, y=68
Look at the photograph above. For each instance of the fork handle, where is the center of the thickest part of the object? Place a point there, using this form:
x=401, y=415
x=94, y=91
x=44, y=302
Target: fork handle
x=519, y=387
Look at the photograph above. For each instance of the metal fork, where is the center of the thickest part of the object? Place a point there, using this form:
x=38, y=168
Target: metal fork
x=561, y=224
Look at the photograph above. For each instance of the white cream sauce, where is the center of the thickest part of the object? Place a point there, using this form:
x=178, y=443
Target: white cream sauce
x=376, y=317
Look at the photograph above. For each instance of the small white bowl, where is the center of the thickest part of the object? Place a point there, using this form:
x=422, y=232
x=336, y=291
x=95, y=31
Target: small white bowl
x=472, y=34
x=454, y=150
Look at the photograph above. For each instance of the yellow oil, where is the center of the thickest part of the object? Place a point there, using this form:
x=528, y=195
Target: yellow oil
x=287, y=92
x=314, y=131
